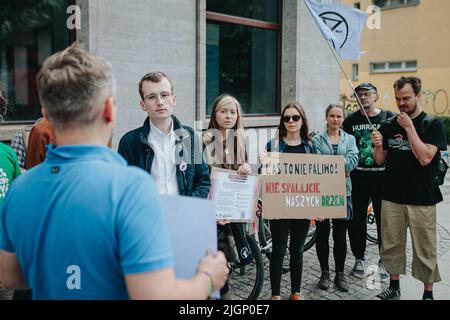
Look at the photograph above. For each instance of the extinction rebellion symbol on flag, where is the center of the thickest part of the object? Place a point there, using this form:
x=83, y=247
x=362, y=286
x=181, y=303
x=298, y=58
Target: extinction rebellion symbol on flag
x=338, y=25
x=341, y=25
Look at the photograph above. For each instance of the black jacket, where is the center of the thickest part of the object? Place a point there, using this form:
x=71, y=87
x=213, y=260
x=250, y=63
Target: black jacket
x=194, y=180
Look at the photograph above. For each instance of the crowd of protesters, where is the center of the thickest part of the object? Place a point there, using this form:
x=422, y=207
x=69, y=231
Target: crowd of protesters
x=82, y=206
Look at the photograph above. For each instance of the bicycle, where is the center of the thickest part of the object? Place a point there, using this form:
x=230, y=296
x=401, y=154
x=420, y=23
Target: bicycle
x=245, y=281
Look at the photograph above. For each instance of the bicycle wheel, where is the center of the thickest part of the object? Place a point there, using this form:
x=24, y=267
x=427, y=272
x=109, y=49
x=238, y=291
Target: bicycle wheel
x=371, y=226
x=264, y=237
x=245, y=281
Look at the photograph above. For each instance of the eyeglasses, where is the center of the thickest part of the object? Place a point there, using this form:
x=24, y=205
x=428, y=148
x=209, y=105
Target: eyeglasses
x=364, y=94
x=295, y=118
x=164, y=96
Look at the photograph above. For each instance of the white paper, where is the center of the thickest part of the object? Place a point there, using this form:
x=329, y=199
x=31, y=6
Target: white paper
x=234, y=195
x=193, y=231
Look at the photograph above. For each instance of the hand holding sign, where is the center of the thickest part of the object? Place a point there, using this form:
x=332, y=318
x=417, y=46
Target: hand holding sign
x=215, y=266
x=223, y=222
x=245, y=169
x=263, y=157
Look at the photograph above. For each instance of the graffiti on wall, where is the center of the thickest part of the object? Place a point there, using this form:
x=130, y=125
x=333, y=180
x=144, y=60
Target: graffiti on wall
x=349, y=103
x=435, y=102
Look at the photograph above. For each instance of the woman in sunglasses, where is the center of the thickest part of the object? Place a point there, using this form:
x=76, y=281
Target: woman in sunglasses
x=335, y=141
x=293, y=137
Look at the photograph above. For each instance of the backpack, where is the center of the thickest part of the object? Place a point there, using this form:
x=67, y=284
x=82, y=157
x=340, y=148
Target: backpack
x=441, y=165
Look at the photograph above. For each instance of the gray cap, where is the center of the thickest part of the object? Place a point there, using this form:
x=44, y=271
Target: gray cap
x=366, y=86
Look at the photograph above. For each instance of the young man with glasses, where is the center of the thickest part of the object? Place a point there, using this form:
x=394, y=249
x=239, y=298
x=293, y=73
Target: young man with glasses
x=410, y=144
x=367, y=177
x=163, y=147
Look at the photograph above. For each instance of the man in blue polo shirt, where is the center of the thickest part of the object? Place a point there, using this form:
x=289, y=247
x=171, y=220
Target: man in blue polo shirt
x=82, y=225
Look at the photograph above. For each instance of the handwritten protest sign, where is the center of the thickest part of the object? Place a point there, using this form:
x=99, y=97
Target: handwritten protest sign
x=299, y=186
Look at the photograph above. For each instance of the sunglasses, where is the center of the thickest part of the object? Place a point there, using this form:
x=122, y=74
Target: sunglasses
x=295, y=118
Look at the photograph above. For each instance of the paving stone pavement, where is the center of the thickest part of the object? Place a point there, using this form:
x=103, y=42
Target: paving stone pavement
x=359, y=289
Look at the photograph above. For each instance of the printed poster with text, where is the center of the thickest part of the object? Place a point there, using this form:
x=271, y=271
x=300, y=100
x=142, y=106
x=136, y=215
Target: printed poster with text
x=235, y=196
x=299, y=186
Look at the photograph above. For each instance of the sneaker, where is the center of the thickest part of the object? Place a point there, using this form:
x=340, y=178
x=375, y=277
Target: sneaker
x=296, y=296
x=340, y=282
x=324, y=282
x=389, y=294
x=275, y=298
x=358, y=269
x=384, y=276
x=428, y=296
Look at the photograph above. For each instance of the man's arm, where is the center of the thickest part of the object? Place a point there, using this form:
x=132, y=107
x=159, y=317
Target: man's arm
x=10, y=271
x=379, y=153
x=423, y=152
x=163, y=284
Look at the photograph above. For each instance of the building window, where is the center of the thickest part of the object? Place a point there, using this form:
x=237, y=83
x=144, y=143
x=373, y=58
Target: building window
x=355, y=72
x=396, y=66
x=385, y=4
x=243, y=54
x=357, y=5
x=30, y=31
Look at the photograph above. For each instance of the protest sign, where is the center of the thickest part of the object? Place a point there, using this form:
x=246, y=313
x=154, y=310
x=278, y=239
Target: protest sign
x=234, y=195
x=299, y=186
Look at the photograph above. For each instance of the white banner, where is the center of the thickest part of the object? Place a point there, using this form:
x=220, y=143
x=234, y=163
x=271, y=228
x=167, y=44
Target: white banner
x=342, y=25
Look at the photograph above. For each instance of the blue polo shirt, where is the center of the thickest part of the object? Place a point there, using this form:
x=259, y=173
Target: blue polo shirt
x=82, y=220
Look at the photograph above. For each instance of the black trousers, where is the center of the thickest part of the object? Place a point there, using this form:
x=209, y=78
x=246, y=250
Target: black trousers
x=280, y=230
x=366, y=186
x=339, y=247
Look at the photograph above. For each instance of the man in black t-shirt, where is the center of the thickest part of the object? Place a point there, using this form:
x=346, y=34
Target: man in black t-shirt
x=410, y=150
x=367, y=177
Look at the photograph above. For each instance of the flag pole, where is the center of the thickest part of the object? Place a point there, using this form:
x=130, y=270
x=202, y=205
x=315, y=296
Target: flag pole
x=349, y=82
x=327, y=39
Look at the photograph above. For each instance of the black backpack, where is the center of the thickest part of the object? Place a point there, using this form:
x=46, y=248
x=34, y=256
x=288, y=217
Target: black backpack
x=441, y=165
